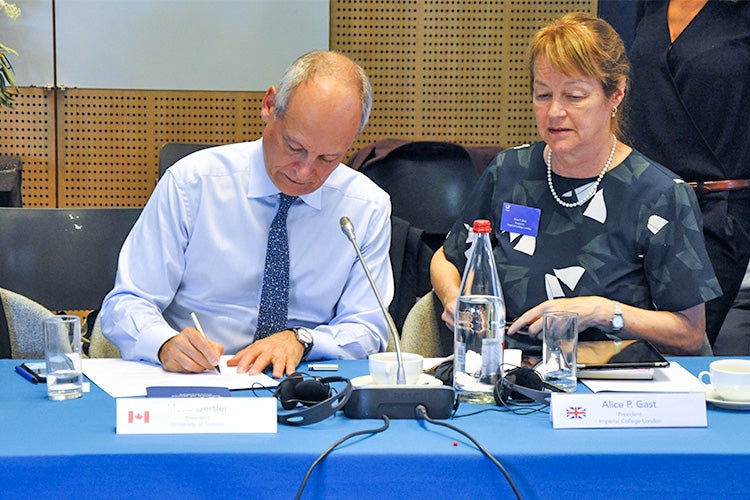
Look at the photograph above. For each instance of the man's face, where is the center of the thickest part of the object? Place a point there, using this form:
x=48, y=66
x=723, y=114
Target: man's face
x=303, y=147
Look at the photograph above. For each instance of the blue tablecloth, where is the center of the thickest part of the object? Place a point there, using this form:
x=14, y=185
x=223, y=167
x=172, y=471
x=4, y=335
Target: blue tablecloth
x=65, y=449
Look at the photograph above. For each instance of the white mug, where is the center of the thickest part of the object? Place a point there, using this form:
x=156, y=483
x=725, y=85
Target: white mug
x=384, y=367
x=729, y=378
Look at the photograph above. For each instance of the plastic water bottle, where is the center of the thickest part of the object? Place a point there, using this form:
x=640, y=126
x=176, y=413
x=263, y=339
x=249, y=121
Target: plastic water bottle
x=480, y=323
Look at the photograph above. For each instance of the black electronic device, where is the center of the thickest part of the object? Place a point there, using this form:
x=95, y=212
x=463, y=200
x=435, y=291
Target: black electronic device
x=398, y=401
x=523, y=385
x=309, y=400
x=610, y=354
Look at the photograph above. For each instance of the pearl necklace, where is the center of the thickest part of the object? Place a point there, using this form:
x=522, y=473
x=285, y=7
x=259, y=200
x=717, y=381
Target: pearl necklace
x=591, y=191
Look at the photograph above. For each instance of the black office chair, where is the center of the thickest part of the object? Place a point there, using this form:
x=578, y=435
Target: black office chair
x=10, y=181
x=428, y=181
x=173, y=151
x=62, y=258
x=410, y=259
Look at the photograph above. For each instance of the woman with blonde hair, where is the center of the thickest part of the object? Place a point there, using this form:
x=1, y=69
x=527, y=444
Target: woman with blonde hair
x=581, y=221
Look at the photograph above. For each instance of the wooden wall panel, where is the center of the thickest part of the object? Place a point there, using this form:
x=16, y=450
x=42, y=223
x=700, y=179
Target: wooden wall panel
x=441, y=70
x=446, y=69
x=110, y=141
x=28, y=130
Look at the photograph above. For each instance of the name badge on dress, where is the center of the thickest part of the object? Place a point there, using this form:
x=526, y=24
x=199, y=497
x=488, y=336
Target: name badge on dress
x=520, y=219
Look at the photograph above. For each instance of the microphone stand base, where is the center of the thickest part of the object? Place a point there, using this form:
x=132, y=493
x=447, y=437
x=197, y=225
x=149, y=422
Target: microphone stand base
x=400, y=403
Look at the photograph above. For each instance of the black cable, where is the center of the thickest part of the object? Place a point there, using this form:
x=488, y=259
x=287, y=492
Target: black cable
x=422, y=413
x=333, y=446
x=517, y=408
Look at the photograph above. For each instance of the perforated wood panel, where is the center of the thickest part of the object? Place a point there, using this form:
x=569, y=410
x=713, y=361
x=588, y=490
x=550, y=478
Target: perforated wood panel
x=28, y=130
x=109, y=148
x=108, y=141
x=441, y=70
x=446, y=69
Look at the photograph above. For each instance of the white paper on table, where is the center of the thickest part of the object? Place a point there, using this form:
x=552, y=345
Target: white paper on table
x=673, y=378
x=120, y=378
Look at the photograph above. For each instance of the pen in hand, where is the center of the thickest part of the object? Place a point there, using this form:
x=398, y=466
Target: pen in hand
x=200, y=329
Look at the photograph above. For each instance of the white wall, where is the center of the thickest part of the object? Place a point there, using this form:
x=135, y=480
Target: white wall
x=163, y=44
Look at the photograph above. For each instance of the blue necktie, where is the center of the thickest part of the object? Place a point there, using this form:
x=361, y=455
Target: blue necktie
x=274, y=295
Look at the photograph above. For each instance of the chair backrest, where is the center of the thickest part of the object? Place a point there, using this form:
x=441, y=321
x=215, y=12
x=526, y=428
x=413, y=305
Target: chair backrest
x=410, y=259
x=21, y=331
x=428, y=182
x=170, y=152
x=10, y=181
x=99, y=346
x=62, y=258
x=424, y=332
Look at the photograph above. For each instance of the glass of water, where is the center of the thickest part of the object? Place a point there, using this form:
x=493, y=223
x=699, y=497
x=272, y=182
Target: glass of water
x=560, y=338
x=62, y=355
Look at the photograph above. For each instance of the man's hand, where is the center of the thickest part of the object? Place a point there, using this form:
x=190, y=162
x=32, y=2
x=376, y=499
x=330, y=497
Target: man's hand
x=281, y=349
x=190, y=352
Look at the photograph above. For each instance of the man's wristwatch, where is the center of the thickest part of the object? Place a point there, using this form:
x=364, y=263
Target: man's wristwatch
x=617, y=320
x=304, y=337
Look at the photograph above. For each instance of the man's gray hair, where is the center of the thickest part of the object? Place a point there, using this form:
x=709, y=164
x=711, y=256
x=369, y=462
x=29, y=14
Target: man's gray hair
x=323, y=62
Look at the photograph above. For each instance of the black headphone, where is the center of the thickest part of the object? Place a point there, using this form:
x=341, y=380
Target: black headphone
x=522, y=385
x=318, y=399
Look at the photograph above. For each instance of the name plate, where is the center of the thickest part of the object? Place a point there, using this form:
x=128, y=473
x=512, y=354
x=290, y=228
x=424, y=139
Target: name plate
x=631, y=409
x=196, y=415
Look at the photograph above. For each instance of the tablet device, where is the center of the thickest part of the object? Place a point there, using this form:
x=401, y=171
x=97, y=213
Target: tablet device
x=612, y=354
x=616, y=374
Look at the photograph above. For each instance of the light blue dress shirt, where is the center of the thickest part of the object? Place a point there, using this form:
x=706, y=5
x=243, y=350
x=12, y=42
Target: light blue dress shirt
x=200, y=245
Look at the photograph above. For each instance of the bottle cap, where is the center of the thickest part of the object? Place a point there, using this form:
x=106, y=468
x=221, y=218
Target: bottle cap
x=482, y=226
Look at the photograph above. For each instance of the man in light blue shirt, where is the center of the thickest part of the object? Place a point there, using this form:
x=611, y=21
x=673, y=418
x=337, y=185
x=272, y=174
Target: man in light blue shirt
x=200, y=243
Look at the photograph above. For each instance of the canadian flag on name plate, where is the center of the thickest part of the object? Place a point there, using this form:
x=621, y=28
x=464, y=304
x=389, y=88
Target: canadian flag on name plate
x=203, y=415
x=136, y=417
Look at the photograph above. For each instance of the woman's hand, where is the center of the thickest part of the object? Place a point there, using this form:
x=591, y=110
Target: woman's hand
x=592, y=311
x=672, y=332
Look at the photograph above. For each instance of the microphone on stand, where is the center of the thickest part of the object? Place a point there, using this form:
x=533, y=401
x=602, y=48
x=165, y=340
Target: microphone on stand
x=403, y=401
x=348, y=228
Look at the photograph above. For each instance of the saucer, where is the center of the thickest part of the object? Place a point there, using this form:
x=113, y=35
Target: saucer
x=366, y=381
x=717, y=401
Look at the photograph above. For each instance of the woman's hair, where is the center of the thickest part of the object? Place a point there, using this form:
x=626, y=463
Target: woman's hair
x=579, y=43
x=327, y=63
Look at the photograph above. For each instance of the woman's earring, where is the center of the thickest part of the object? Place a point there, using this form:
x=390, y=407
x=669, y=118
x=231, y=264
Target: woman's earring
x=614, y=111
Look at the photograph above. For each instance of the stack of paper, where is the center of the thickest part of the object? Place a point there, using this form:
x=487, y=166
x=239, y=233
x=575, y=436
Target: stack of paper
x=673, y=378
x=120, y=378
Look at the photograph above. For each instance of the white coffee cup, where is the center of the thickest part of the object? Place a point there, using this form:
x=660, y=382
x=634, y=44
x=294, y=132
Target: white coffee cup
x=729, y=378
x=384, y=367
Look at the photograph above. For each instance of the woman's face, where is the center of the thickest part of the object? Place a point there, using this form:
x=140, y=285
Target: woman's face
x=572, y=112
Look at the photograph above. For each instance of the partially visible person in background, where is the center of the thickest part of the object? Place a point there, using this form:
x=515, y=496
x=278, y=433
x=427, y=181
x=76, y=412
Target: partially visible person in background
x=689, y=109
x=734, y=336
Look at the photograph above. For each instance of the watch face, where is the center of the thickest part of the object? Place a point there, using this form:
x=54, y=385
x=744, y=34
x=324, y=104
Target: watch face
x=304, y=336
x=618, y=322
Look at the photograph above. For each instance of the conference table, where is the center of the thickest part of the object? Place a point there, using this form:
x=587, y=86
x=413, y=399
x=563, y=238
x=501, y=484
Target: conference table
x=51, y=449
